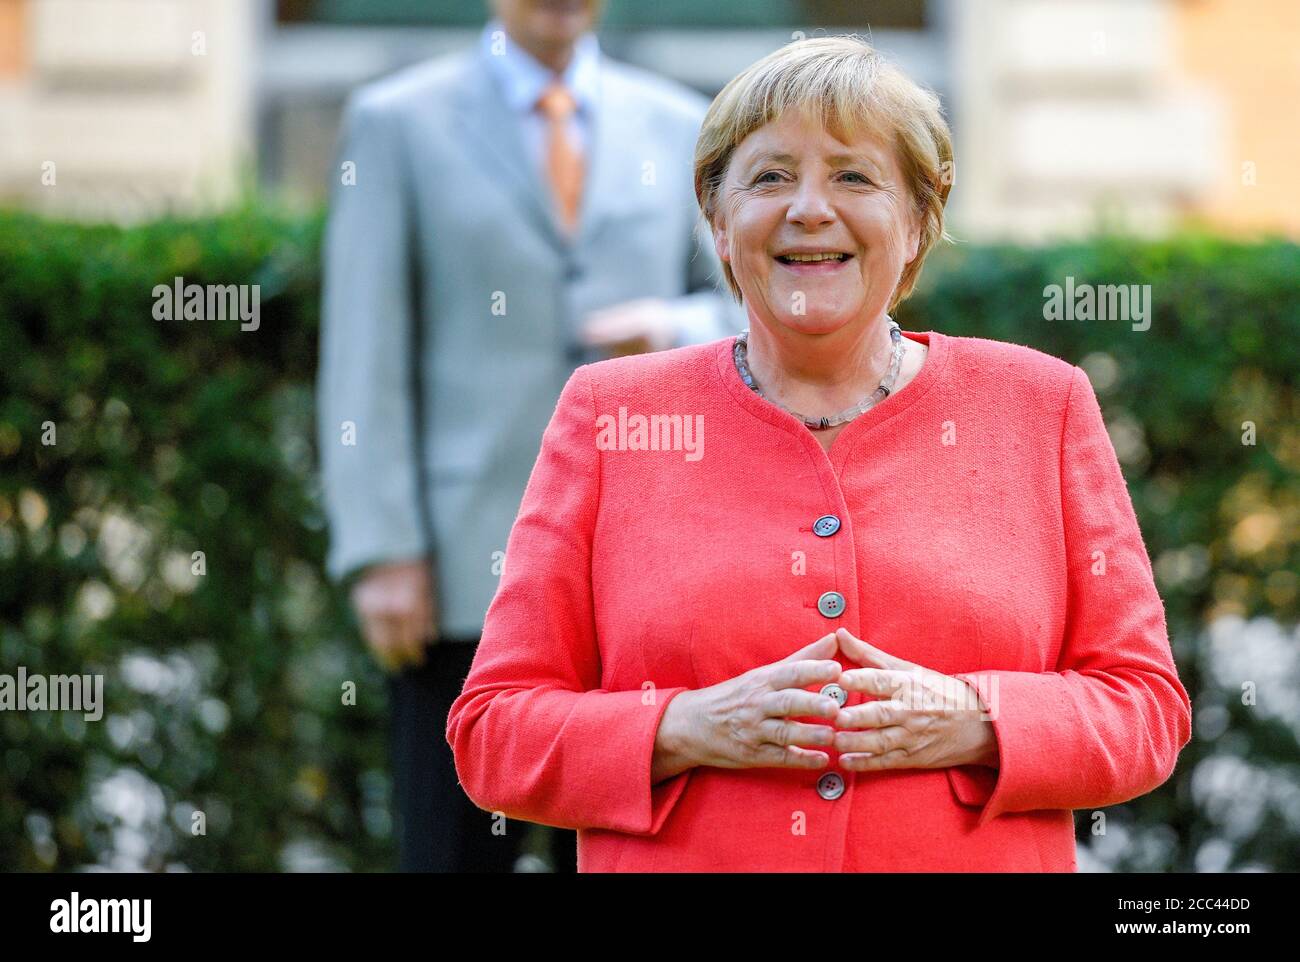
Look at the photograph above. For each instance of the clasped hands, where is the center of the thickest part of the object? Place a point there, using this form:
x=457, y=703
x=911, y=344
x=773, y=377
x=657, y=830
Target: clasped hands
x=915, y=718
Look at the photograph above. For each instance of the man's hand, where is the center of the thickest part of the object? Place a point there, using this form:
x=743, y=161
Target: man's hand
x=633, y=327
x=395, y=605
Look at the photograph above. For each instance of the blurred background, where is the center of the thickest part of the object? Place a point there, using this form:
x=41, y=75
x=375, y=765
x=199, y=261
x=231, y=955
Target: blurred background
x=1160, y=111
x=1115, y=141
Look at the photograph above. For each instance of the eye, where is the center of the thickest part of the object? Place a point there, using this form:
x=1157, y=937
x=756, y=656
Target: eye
x=763, y=178
x=856, y=177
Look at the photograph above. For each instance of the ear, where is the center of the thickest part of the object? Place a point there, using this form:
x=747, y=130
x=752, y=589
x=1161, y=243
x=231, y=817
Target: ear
x=913, y=238
x=721, y=243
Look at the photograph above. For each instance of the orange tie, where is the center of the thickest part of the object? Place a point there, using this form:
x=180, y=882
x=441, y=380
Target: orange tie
x=563, y=162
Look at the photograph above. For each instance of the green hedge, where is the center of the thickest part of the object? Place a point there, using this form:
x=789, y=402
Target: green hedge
x=224, y=690
x=175, y=437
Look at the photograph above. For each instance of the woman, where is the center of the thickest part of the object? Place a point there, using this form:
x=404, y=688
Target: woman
x=829, y=596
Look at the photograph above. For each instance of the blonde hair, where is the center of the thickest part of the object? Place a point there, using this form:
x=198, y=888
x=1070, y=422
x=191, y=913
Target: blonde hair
x=848, y=85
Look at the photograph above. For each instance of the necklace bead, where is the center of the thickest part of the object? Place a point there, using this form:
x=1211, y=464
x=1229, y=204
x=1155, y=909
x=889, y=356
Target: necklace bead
x=740, y=356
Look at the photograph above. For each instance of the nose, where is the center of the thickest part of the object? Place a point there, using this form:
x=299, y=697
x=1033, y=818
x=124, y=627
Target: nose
x=810, y=206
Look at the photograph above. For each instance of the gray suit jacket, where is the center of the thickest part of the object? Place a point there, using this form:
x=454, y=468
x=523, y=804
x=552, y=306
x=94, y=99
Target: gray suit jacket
x=452, y=299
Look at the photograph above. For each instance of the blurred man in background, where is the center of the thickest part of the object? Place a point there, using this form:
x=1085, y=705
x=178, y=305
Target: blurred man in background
x=500, y=217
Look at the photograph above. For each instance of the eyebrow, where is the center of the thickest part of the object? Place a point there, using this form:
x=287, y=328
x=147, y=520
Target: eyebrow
x=770, y=156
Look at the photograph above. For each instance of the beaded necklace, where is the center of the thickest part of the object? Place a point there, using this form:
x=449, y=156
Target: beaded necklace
x=739, y=354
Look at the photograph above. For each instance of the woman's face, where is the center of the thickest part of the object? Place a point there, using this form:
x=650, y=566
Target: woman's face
x=793, y=190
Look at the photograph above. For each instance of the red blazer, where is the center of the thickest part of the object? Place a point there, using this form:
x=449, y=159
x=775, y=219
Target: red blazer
x=985, y=531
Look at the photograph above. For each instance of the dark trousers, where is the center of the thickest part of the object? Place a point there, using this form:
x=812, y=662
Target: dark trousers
x=438, y=828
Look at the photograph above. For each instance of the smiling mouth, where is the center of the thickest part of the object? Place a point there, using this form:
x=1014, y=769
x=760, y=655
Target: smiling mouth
x=828, y=257
x=811, y=258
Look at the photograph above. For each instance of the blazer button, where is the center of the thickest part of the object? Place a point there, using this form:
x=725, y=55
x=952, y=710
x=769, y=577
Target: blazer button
x=826, y=525
x=830, y=786
x=831, y=604
x=836, y=692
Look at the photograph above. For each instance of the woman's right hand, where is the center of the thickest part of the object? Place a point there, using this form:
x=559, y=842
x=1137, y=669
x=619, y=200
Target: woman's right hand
x=744, y=722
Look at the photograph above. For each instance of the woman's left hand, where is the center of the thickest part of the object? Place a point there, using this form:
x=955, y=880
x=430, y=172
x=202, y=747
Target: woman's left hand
x=921, y=718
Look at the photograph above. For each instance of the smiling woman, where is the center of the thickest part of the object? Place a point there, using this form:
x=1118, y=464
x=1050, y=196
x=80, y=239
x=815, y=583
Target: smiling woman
x=835, y=641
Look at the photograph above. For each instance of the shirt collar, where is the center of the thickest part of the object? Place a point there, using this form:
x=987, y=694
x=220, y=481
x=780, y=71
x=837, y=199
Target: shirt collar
x=523, y=78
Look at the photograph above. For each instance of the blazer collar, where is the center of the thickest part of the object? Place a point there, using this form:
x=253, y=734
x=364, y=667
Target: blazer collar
x=932, y=371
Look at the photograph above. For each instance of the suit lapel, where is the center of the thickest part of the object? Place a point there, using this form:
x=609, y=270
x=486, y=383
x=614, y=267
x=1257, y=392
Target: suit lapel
x=609, y=138
x=492, y=128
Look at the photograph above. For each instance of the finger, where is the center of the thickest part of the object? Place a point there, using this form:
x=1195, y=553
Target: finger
x=876, y=741
x=636, y=345
x=871, y=714
x=611, y=340
x=412, y=636
x=617, y=326
x=387, y=660
x=415, y=655
x=796, y=702
x=880, y=681
x=379, y=636
x=781, y=732
x=866, y=763
x=801, y=674
x=822, y=648
x=858, y=651
x=638, y=307
x=788, y=756
x=398, y=637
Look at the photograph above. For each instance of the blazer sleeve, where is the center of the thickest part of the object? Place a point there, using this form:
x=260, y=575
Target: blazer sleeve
x=365, y=395
x=1108, y=724
x=533, y=734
